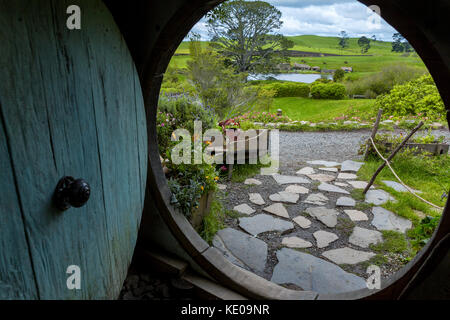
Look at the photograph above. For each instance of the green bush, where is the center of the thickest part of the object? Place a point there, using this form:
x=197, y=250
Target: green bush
x=381, y=82
x=289, y=89
x=334, y=91
x=418, y=97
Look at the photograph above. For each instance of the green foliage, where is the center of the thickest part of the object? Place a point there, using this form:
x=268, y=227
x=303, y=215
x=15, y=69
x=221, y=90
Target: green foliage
x=288, y=89
x=189, y=182
x=393, y=242
x=423, y=232
x=244, y=33
x=343, y=40
x=333, y=91
x=213, y=221
x=265, y=117
x=218, y=86
x=418, y=97
x=339, y=75
x=364, y=43
x=381, y=82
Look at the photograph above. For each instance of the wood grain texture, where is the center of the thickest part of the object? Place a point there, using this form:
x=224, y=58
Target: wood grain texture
x=72, y=105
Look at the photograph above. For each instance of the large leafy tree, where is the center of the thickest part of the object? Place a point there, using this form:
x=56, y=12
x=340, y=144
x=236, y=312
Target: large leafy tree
x=343, y=40
x=400, y=44
x=364, y=43
x=244, y=32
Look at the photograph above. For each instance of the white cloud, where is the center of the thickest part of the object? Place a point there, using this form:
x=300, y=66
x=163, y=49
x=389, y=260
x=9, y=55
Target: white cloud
x=325, y=18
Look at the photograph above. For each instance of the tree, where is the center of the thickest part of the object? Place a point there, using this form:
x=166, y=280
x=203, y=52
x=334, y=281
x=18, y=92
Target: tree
x=400, y=44
x=218, y=85
x=338, y=75
x=244, y=33
x=374, y=38
x=343, y=40
x=364, y=43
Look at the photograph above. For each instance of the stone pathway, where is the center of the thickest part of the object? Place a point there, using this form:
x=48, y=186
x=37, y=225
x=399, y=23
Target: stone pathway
x=304, y=229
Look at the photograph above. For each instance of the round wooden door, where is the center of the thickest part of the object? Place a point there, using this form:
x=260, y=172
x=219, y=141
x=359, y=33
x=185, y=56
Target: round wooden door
x=70, y=105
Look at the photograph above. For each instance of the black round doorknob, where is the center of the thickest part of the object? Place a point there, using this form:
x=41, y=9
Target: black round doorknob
x=71, y=193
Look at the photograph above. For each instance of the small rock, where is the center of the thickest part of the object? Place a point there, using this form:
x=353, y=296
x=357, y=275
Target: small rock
x=244, y=209
x=297, y=189
x=364, y=237
x=256, y=199
x=330, y=188
x=322, y=177
x=345, y=202
x=277, y=209
x=302, y=222
x=318, y=199
x=347, y=256
x=351, y=166
x=347, y=176
x=327, y=216
x=386, y=220
x=252, y=182
x=356, y=215
x=378, y=197
x=306, y=171
x=296, y=242
x=324, y=238
x=284, y=196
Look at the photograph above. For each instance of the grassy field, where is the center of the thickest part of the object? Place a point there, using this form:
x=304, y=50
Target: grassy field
x=322, y=110
x=379, y=56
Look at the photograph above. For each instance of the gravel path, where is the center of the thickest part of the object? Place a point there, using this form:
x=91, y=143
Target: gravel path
x=298, y=147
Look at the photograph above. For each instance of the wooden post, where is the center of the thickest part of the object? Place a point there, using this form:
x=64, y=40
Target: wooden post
x=374, y=133
x=392, y=156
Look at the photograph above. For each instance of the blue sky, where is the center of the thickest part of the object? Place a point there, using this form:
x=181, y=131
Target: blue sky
x=325, y=18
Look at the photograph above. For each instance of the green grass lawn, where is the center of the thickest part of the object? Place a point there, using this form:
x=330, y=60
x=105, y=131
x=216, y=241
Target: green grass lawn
x=304, y=109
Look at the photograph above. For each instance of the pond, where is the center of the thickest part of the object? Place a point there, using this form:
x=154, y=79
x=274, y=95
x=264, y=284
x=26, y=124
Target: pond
x=295, y=77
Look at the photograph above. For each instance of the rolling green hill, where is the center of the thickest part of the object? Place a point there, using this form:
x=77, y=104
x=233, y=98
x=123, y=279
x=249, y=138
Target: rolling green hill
x=379, y=55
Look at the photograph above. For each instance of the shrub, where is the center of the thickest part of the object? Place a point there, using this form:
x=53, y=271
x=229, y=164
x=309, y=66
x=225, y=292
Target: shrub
x=381, y=82
x=335, y=91
x=339, y=75
x=289, y=89
x=419, y=97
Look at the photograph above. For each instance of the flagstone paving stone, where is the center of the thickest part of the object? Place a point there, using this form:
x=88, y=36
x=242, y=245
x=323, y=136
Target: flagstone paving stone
x=345, y=202
x=358, y=184
x=324, y=163
x=252, y=181
x=306, y=171
x=249, y=250
x=296, y=242
x=256, y=198
x=221, y=186
x=277, y=209
x=351, y=166
x=329, y=169
x=347, y=256
x=322, y=177
x=284, y=196
x=313, y=274
x=318, y=199
x=386, y=220
x=398, y=186
x=281, y=179
x=341, y=184
x=297, y=189
x=263, y=223
x=324, y=238
x=364, y=237
x=302, y=222
x=347, y=176
x=356, y=215
x=244, y=209
x=378, y=197
x=327, y=216
x=330, y=188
